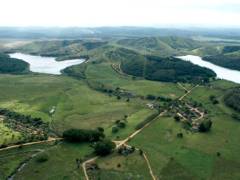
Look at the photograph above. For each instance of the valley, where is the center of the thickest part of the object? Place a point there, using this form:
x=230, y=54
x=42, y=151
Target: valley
x=168, y=118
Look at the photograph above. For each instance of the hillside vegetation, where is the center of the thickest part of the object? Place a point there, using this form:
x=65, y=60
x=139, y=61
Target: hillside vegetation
x=232, y=99
x=163, y=46
x=160, y=69
x=119, y=94
x=12, y=65
x=228, y=56
x=228, y=61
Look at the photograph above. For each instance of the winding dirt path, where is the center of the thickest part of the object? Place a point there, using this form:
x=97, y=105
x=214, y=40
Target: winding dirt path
x=123, y=142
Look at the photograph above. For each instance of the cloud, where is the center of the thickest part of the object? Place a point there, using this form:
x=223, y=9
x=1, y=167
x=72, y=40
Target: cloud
x=119, y=12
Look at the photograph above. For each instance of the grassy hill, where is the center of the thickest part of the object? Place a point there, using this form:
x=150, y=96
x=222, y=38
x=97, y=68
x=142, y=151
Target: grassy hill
x=163, y=46
x=104, y=91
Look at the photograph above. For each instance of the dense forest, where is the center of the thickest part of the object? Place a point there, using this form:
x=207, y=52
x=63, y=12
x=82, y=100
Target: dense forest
x=228, y=61
x=232, y=99
x=12, y=65
x=161, y=69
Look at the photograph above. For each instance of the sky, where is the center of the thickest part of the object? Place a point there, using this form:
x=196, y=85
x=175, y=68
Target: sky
x=93, y=13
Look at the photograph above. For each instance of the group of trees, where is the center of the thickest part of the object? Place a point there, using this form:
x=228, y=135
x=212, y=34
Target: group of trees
x=160, y=98
x=31, y=129
x=205, y=125
x=83, y=135
x=25, y=119
x=213, y=99
x=232, y=99
x=101, y=145
x=104, y=147
x=12, y=65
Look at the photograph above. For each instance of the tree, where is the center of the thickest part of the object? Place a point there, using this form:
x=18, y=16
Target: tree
x=42, y=158
x=103, y=148
x=177, y=118
x=205, y=125
x=100, y=129
x=115, y=129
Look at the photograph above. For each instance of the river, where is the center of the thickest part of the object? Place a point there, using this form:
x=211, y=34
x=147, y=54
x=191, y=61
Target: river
x=222, y=73
x=47, y=65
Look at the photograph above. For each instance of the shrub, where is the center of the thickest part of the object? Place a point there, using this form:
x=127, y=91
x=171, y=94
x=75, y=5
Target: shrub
x=100, y=129
x=115, y=129
x=151, y=97
x=205, y=125
x=180, y=135
x=121, y=124
x=177, y=118
x=236, y=117
x=103, y=148
x=43, y=157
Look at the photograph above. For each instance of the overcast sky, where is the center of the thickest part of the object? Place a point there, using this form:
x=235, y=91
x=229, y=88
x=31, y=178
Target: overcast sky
x=88, y=13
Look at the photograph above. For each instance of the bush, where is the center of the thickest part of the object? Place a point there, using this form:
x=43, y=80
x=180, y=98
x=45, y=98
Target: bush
x=100, y=129
x=115, y=129
x=43, y=157
x=121, y=125
x=236, y=117
x=151, y=97
x=180, y=135
x=205, y=125
x=177, y=118
x=82, y=135
x=103, y=148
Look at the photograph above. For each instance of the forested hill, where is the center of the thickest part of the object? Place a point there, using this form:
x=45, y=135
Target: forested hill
x=156, y=68
x=12, y=65
x=231, y=61
x=229, y=57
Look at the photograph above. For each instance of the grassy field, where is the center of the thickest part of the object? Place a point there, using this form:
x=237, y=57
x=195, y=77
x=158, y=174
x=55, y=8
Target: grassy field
x=103, y=73
x=11, y=159
x=61, y=163
x=212, y=155
x=76, y=104
x=195, y=155
x=120, y=167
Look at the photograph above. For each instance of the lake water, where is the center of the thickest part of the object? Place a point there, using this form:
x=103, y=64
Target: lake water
x=222, y=73
x=47, y=65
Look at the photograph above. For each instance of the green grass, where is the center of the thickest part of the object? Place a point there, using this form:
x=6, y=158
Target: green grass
x=8, y=135
x=132, y=166
x=103, y=73
x=76, y=104
x=60, y=165
x=11, y=159
x=195, y=155
x=131, y=123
